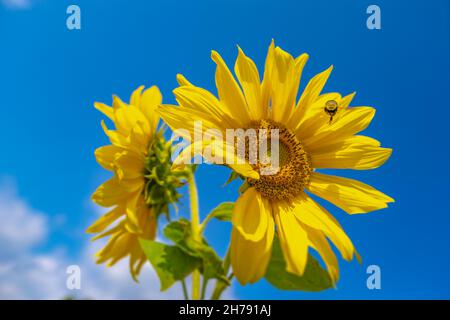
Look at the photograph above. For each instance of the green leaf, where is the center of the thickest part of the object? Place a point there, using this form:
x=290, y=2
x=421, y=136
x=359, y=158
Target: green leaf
x=180, y=233
x=233, y=176
x=211, y=265
x=223, y=211
x=170, y=262
x=315, y=277
x=243, y=187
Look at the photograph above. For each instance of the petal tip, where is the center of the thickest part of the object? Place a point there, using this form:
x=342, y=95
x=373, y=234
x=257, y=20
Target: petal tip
x=215, y=56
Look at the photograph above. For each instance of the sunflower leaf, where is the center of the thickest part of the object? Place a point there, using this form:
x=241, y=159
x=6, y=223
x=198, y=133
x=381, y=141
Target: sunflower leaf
x=223, y=211
x=315, y=277
x=170, y=262
x=233, y=176
x=179, y=232
x=211, y=265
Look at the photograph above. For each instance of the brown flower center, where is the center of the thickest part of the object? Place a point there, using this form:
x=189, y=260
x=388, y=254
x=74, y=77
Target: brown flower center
x=285, y=172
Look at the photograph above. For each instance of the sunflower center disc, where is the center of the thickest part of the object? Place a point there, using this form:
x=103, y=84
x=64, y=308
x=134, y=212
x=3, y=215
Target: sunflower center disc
x=287, y=177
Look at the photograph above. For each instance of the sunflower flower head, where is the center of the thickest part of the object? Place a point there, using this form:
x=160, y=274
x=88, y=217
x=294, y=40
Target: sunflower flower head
x=143, y=185
x=315, y=131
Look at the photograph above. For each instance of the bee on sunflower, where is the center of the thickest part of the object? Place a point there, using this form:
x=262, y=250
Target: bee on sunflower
x=280, y=203
x=143, y=185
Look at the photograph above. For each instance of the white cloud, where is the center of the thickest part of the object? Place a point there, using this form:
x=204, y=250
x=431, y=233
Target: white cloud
x=115, y=282
x=25, y=274
x=101, y=282
x=21, y=227
x=44, y=277
x=32, y=277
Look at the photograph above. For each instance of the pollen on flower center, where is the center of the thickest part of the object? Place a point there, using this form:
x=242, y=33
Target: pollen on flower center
x=293, y=172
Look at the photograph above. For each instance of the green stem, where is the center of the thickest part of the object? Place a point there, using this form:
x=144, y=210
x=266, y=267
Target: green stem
x=205, y=222
x=204, y=286
x=220, y=285
x=195, y=223
x=185, y=292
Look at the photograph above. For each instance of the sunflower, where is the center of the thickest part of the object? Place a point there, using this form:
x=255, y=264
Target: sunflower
x=308, y=140
x=143, y=184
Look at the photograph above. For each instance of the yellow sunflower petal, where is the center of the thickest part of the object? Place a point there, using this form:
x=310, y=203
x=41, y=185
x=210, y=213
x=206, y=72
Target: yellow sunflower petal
x=312, y=214
x=310, y=94
x=312, y=121
x=284, y=81
x=121, y=248
x=239, y=165
x=105, y=109
x=356, y=156
x=148, y=222
x=282, y=112
x=190, y=124
x=249, y=259
x=108, y=251
x=109, y=193
x=346, y=143
x=314, y=88
x=321, y=245
x=193, y=98
x=151, y=98
x=131, y=185
x=139, y=264
x=139, y=138
x=115, y=137
x=106, y=155
x=245, y=170
x=296, y=73
x=134, y=261
x=133, y=206
x=345, y=102
x=118, y=103
x=135, y=98
x=350, y=195
x=129, y=165
x=316, y=120
x=114, y=231
x=352, y=121
x=293, y=238
x=182, y=81
x=251, y=215
x=221, y=151
x=267, y=80
x=248, y=76
x=229, y=92
x=127, y=117
x=105, y=220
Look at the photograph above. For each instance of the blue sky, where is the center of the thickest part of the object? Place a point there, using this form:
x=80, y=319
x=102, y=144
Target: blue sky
x=50, y=77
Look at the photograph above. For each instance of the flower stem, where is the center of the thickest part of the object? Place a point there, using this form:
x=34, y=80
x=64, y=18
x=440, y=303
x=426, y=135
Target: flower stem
x=204, y=286
x=220, y=285
x=185, y=292
x=195, y=223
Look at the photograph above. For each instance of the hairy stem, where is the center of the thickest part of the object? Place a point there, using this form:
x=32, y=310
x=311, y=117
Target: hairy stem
x=185, y=292
x=204, y=286
x=220, y=285
x=195, y=223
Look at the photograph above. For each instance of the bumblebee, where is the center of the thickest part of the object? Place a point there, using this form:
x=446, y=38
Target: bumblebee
x=331, y=107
